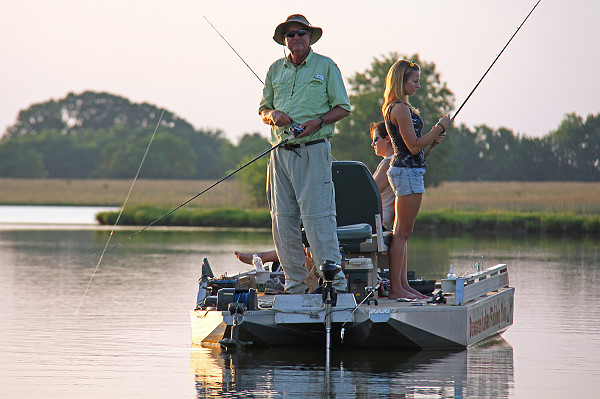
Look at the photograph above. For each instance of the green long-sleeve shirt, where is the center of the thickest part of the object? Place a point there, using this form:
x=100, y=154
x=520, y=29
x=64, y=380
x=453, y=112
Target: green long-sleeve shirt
x=304, y=93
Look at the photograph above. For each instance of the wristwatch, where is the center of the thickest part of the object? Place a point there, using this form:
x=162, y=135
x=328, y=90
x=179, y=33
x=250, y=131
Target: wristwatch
x=322, y=122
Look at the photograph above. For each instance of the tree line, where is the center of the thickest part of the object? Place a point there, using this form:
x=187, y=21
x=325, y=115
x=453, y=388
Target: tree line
x=101, y=135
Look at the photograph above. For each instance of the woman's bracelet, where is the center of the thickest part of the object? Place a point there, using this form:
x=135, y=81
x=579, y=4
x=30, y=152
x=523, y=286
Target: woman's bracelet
x=442, y=126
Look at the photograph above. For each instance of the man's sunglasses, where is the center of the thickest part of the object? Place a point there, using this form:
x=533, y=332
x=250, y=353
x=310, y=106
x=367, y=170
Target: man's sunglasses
x=292, y=33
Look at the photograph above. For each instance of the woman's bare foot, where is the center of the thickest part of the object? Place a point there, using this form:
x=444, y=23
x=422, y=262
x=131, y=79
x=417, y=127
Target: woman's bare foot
x=415, y=292
x=402, y=293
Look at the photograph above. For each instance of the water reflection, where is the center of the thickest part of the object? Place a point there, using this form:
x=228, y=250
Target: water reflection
x=485, y=371
x=131, y=338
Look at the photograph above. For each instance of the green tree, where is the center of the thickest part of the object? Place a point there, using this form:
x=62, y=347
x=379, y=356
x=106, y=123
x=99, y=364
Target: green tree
x=169, y=157
x=250, y=145
x=96, y=134
x=576, y=145
x=92, y=110
x=18, y=160
x=63, y=155
x=211, y=150
x=253, y=178
x=433, y=100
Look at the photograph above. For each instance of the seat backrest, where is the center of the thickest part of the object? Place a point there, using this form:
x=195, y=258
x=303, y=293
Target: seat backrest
x=357, y=197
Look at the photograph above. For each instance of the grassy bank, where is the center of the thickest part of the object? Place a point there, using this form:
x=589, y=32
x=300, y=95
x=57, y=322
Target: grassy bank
x=433, y=221
x=219, y=217
x=506, y=222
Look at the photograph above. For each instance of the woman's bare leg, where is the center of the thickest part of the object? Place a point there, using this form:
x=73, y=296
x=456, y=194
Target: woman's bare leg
x=404, y=276
x=407, y=208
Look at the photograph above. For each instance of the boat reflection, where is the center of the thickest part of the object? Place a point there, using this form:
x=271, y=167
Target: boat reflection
x=485, y=370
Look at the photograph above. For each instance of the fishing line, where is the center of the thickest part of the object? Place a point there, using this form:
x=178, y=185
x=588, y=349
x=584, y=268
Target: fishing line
x=120, y=212
x=230, y=46
x=486, y=72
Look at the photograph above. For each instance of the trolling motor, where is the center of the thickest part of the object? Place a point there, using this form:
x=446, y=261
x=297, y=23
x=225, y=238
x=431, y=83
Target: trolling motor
x=329, y=295
x=203, y=282
x=237, y=310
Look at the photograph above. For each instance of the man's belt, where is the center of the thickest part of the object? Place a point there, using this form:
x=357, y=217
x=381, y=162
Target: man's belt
x=294, y=146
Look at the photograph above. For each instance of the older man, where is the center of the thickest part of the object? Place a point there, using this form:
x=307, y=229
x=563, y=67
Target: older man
x=304, y=88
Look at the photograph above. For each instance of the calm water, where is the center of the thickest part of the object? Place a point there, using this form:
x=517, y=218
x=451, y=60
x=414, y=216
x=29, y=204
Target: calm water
x=131, y=336
x=60, y=215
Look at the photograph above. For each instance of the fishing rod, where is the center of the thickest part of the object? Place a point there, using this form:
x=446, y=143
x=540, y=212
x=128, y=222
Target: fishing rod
x=486, y=72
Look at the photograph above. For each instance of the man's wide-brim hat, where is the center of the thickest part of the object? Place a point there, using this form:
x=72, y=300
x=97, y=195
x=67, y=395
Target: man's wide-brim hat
x=296, y=19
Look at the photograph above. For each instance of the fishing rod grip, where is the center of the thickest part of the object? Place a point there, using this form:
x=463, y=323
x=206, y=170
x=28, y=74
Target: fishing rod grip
x=430, y=148
x=435, y=142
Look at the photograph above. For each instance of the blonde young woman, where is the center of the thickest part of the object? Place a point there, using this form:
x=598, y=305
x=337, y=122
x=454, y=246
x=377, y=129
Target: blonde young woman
x=404, y=124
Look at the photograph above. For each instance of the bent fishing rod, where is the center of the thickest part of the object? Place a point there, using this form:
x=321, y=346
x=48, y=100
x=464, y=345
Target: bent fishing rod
x=486, y=72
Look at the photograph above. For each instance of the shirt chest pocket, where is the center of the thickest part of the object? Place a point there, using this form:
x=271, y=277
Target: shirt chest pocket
x=282, y=92
x=316, y=91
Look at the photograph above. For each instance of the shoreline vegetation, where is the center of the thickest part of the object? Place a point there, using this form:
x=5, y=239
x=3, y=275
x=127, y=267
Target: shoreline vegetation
x=441, y=221
x=483, y=207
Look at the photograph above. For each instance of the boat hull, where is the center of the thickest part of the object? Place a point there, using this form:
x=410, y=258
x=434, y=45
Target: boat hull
x=296, y=320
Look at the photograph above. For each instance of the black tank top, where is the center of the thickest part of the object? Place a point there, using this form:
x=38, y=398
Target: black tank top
x=403, y=158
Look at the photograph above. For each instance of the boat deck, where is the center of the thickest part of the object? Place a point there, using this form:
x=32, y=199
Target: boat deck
x=266, y=301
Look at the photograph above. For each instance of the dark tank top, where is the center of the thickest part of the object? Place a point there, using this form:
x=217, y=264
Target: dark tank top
x=403, y=158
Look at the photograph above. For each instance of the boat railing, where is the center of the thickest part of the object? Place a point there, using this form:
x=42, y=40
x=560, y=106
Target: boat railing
x=476, y=284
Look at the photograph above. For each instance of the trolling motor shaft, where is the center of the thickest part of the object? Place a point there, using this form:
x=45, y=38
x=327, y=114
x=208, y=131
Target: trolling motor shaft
x=329, y=295
x=233, y=343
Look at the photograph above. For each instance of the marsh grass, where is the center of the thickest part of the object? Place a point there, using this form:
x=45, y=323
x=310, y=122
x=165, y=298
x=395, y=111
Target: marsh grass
x=523, y=197
x=216, y=217
x=552, y=197
x=161, y=193
x=509, y=222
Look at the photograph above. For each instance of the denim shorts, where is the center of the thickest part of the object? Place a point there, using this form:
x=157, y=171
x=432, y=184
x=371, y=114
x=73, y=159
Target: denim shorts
x=406, y=181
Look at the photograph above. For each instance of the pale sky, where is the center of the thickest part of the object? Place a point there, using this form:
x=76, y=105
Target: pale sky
x=166, y=54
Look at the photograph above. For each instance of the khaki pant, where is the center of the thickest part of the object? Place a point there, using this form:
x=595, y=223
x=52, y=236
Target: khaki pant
x=300, y=191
